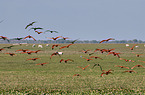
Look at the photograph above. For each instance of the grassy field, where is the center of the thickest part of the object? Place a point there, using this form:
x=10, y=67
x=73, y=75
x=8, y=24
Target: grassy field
x=19, y=76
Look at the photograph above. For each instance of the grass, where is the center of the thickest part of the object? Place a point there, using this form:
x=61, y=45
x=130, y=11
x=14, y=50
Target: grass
x=18, y=76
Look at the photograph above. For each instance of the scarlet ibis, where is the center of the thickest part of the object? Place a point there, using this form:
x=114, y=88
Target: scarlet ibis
x=106, y=40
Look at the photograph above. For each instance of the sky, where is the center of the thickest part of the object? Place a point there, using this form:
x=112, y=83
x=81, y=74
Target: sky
x=76, y=19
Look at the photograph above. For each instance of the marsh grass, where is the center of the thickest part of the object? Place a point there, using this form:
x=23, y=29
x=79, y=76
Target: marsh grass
x=18, y=76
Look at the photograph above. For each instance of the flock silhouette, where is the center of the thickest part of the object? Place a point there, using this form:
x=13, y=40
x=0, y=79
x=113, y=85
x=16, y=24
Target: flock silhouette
x=108, y=51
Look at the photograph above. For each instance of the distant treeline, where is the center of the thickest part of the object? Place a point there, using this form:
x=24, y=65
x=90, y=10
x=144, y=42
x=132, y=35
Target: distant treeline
x=68, y=41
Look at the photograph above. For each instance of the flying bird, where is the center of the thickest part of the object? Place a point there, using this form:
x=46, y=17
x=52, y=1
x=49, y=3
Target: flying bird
x=84, y=67
x=4, y=38
x=65, y=38
x=34, y=59
x=1, y=49
x=97, y=65
x=30, y=24
x=88, y=59
x=9, y=47
x=17, y=38
x=36, y=51
x=54, y=38
x=38, y=32
x=85, y=51
x=121, y=66
x=65, y=46
x=130, y=71
x=126, y=60
x=76, y=75
x=30, y=37
x=55, y=45
x=106, y=72
x=35, y=28
x=137, y=66
x=50, y=31
x=11, y=54
x=137, y=55
x=114, y=53
x=96, y=57
x=55, y=53
x=132, y=47
x=106, y=40
x=23, y=50
x=74, y=41
x=66, y=60
x=42, y=64
x=141, y=61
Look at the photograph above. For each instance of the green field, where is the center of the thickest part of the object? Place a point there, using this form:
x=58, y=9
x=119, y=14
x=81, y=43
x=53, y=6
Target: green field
x=18, y=76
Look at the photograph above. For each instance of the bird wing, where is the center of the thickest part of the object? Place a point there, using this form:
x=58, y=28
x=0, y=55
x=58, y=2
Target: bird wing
x=86, y=66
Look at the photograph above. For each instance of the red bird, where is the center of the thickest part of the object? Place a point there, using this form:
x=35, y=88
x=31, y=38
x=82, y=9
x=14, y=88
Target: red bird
x=11, y=54
x=65, y=46
x=4, y=38
x=35, y=51
x=130, y=71
x=55, y=45
x=30, y=37
x=106, y=40
x=115, y=54
x=84, y=67
x=56, y=53
x=42, y=64
x=88, y=59
x=28, y=52
x=85, y=51
x=66, y=60
x=38, y=32
x=34, y=59
x=126, y=60
x=132, y=47
x=121, y=66
x=1, y=49
x=65, y=38
x=137, y=55
x=54, y=38
x=106, y=72
x=24, y=50
x=95, y=57
x=76, y=75
x=137, y=66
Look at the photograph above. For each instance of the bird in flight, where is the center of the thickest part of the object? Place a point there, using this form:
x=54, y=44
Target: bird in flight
x=9, y=47
x=35, y=28
x=65, y=38
x=76, y=75
x=34, y=59
x=96, y=57
x=114, y=53
x=130, y=71
x=137, y=66
x=86, y=51
x=30, y=24
x=55, y=45
x=50, y=31
x=65, y=46
x=17, y=38
x=126, y=60
x=11, y=54
x=66, y=60
x=106, y=40
x=137, y=55
x=84, y=67
x=42, y=64
x=74, y=41
x=23, y=50
x=88, y=59
x=132, y=47
x=121, y=66
x=30, y=37
x=54, y=38
x=38, y=32
x=97, y=65
x=141, y=61
x=4, y=38
x=1, y=49
x=106, y=72
x=55, y=53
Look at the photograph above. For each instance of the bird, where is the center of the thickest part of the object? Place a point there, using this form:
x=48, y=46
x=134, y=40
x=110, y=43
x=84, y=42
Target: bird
x=9, y=47
x=55, y=53
x=114, y=53
x=34, y=59
x=88, y=59
x=76, y=75
x=85, y=51
x=28, y=52
x=84, y=67
x=67, y=46
x=97, y=65
x=66, y=60
x=50, y=31
x=36, y=51
x=65, y=38
x=55, y=45
x=106, y=40
x=96, y=57
x=4, y=38
x=132, y=47
x=1, y=49
x=17, y=38
x=35, y=28
x=109, y=50
x=126, y=60
x=23, y=50
x=130, y=71
x=137, y=55
x=30, y=24
x=38, y=32
x=141, y=61
x=42, y=64
x=11, y=54
x=54, y=38
x=30, y=37
x=73, y=41
x=121, y=66
x=137, y=66
x=106, y=72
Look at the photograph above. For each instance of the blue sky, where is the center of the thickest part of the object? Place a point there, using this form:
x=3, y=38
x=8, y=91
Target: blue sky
x=83, y=19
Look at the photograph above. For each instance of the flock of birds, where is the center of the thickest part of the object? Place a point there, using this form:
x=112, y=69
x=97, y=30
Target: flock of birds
x=109, y=51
